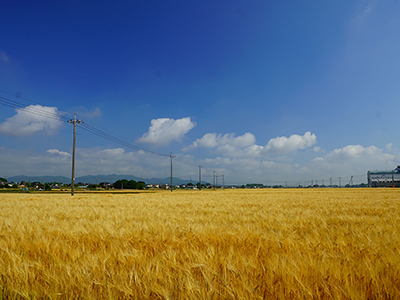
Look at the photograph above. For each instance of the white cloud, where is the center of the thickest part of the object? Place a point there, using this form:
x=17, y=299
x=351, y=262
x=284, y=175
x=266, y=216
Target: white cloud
x=25, y=123
x=164, y=130
x=283, y=145
x=88, y=161
x=50, y=162
x=58, y=152
x=352, y=160
x=356, y=152
x=245, y=145
x=228, y=144
x=212, y=140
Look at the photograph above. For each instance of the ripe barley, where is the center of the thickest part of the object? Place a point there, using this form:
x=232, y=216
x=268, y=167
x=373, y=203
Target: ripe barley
x=243, y=244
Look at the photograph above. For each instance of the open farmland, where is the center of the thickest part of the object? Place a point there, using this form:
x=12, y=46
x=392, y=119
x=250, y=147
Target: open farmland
x=237, y=244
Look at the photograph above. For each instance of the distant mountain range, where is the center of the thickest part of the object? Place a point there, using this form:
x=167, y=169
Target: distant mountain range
x=93, y=179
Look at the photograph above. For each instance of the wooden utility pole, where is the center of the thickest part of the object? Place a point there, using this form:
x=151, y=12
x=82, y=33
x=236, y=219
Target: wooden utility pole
x=171, y=156
x=214, y=179
x=73, y=121
x=199, y=178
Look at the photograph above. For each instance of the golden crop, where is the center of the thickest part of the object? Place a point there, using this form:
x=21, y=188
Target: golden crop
x=237, y=244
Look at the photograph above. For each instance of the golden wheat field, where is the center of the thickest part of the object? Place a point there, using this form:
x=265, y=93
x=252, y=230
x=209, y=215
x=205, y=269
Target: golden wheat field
x=236, y=244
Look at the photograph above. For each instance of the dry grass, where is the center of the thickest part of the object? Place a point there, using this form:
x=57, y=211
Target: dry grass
x=244, y=244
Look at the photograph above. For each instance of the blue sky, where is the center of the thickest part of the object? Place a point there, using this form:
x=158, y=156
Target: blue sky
x=256, y=90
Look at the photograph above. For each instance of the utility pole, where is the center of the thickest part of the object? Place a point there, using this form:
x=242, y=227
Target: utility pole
x=330, y=182
x=393, y=178
x=171, y=156
x=214, y=179
x=223, y=182
x=340, y=182
x=199, y=178
x=73, y=121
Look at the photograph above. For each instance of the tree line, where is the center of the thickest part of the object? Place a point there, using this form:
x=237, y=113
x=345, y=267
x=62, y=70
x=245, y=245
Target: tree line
x=129, y=184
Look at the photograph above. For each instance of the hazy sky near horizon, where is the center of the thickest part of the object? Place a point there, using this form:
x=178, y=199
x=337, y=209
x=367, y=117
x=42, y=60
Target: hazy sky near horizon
x=256, y=90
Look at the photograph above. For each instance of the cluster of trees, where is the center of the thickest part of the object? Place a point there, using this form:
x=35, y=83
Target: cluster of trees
x=252, y=186
x=129, y=184
x=203, y=186
x=119, y=184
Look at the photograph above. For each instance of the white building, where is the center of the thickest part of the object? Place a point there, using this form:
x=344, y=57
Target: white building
x=384, y=178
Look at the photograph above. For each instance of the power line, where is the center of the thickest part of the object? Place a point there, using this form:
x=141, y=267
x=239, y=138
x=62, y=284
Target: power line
x=30, y=109
x=16, y=95
x=87, y=127
x=117, y=140
x=95, y=130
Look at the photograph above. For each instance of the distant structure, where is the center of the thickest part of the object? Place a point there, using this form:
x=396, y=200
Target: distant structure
x=384, y=178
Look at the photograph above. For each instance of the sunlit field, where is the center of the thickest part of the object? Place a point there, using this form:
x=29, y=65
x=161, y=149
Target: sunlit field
x=236, y=244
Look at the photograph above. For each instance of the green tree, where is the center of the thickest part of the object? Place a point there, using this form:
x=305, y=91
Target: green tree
x=3, y=182
x=131, y=184
x=141, y=185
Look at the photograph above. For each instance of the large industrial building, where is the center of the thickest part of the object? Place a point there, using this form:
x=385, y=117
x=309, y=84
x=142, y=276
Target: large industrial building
x=384, y=178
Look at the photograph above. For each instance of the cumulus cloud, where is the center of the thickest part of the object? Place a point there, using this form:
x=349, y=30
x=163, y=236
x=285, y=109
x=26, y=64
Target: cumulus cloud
x=357, y=153
x=389, y=146
x=25, y=123
x=245, y=145
x=164, y=130
x=58, y=152
x=283, y=145
x=352, y=160
x=346, y=161
x=50, y=162
x=213, y=140
x=88, y=161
